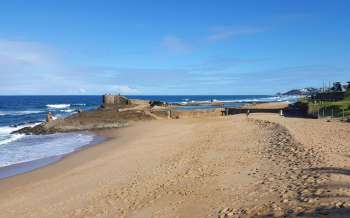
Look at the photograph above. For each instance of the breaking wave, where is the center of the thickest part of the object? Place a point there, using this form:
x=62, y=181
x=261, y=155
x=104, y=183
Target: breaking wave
x=34, y=147
x=289, y=99
x=58, y=106
x=6, y=136
x=67, y=110
x=17, y=113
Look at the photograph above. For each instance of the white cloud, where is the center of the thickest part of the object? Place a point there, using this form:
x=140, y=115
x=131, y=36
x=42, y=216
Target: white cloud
x=20, y=53
x=175, y=44
x=179, y=45
x=123, y=89
x=222, y=33
x=82, y=90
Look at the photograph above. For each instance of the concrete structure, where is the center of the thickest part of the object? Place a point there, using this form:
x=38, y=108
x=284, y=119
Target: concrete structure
x=257, y=108
x=49, y=117
x=232, y=111
x=116, y=101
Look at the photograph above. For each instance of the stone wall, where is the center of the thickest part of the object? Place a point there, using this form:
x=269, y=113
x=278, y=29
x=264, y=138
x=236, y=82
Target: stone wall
x=114, y=101
x=196, y=113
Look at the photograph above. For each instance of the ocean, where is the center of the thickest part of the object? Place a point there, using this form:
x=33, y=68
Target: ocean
x=20, y=111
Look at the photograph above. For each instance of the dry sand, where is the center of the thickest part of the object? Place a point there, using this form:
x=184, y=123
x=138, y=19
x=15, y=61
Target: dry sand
x=204, y=167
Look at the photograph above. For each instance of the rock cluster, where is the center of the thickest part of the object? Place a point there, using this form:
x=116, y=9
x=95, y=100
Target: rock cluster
x=88, y=120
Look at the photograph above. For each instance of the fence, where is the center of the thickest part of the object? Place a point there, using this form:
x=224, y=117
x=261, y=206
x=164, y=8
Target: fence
x=328, y=112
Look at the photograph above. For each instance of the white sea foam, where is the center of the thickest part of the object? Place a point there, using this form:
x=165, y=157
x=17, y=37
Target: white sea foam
x=58, y=106
x=11, y=138
x=5, y=133
x=14, y=113
x=67, y=110
x=34, y=147
x=267, y=99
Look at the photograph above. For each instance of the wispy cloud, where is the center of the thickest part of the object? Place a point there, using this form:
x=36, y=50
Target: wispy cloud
x=175, y=44
x=36, y=68
x=221, y=64
x=306, y=72
x=225, y=32
x=123, y=89
x=21, y=53
x=27, y=67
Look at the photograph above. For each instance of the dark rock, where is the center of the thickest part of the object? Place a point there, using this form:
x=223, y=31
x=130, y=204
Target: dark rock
x=35, y=130
x=157, y=103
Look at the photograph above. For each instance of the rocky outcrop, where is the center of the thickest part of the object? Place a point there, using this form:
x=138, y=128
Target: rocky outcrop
x=304, y=91
x=35, y=130
x=47, y=129
x=158, y=103
x=88, y=120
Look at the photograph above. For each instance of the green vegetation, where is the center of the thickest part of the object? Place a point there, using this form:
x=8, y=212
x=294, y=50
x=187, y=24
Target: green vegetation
x=329, y=108
x=347, y=94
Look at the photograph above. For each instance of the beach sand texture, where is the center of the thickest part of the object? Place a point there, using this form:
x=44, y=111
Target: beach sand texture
x=195, y=167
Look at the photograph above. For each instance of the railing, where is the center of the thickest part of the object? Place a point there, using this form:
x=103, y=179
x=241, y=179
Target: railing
x=329, y=112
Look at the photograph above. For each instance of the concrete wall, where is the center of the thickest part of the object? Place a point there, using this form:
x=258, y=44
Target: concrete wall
x=196, y=113
x=232, y=111
x=108, y=99
x=139, y=102
x=120, y=100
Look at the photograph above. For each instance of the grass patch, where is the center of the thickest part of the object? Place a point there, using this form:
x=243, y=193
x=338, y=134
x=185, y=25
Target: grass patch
x=330, y=108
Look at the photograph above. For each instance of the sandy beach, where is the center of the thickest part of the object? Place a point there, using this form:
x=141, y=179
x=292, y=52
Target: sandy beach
x=175, y=109
x=195, y=167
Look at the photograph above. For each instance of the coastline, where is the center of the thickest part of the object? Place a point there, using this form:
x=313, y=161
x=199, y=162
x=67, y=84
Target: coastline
x=171, y=167
x=28, y=166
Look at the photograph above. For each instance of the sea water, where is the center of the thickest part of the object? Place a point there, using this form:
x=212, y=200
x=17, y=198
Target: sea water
x=20, y=111
x=18, y=150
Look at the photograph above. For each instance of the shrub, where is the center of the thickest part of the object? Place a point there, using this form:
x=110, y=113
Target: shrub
x=347, y=93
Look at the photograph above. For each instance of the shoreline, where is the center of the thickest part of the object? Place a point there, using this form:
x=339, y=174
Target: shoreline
x=25, y=167
x=66, y=162
x=29, y=166
x=192, y=167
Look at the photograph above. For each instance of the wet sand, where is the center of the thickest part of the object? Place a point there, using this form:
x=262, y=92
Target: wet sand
x=203, y=167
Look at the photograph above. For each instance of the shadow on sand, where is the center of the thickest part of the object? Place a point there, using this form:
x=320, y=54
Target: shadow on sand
x=319, y=212
x=337, y=205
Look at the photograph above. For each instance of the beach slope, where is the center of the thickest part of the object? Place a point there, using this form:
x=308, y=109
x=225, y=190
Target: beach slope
x=205, y=167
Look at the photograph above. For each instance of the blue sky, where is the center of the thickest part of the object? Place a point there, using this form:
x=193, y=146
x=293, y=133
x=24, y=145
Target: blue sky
x=172, y=47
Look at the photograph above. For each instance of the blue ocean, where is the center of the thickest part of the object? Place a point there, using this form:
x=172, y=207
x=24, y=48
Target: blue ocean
x=20, y=111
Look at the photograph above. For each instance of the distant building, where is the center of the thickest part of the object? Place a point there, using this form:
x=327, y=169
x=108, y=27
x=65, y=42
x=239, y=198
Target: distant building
x=335, y=93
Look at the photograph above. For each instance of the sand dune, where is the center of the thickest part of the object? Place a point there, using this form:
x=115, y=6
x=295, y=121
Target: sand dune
x=204, y=167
